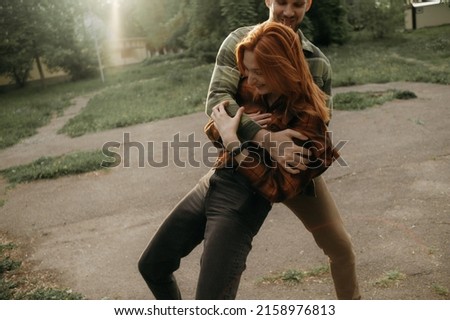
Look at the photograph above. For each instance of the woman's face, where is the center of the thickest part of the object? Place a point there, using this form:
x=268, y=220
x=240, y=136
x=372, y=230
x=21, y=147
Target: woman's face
x=254, y=74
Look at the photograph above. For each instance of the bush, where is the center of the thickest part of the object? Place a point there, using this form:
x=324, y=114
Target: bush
x=329, y=20
x=381, y=18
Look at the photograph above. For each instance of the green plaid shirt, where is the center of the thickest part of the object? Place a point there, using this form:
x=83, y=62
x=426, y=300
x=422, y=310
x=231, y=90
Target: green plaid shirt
x=225, y=77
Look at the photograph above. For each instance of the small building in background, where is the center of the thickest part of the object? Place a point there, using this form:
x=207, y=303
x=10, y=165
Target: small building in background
x=426, y=13
x=125, y=51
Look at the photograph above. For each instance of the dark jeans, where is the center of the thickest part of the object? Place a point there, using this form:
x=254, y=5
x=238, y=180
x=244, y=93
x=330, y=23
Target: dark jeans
x=226, y=219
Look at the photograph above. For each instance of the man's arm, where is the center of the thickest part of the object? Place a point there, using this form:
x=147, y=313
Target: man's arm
x=224, y=83
x=320, y=68
x=282, y=149
x=275, y=182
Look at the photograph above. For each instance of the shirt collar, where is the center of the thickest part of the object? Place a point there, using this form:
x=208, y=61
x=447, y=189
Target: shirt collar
x=306, y=44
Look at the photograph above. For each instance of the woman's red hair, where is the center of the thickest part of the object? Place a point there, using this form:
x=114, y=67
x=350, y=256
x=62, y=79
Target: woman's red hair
x=280, y=58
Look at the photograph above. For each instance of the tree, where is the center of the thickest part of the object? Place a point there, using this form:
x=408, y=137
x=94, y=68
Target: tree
x=41, y=29
x=201, y=25
x=71, y=48
x=177, y=28
x=380, y=17
x=212, y=21
x=163, y=23
x=18, y=45
x=329, y=22
x=238, y=13
x=207, y=29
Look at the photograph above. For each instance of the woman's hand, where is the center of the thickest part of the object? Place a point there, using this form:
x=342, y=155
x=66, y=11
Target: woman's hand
x=260, y=118
x=226, y=125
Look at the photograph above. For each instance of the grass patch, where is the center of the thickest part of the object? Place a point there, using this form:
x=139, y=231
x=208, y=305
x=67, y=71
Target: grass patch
x=363, y=100
x=54, y=167
x=181, y=88
x=18, y=283
x=365, y=60
x=50, y=294
x=294, y=277
x=440, y=290
x=171, y=94
x=390, y=278
x=21, y=115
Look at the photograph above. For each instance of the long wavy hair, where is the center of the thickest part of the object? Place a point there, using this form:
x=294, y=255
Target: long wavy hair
x=279, y=55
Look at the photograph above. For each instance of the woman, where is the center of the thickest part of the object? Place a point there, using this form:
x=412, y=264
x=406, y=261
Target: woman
x=246, y=181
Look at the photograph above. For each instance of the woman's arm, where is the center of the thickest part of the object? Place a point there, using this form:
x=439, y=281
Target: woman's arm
x=226, y=128
x=274, y=181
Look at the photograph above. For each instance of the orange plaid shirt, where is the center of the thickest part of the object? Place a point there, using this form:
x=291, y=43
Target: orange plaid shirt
x=264, y=173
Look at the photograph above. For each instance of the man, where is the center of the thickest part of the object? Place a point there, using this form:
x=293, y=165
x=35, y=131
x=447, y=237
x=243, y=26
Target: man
x=318, y=213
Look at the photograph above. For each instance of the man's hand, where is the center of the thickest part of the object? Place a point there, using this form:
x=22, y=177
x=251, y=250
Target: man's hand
x=281, y=147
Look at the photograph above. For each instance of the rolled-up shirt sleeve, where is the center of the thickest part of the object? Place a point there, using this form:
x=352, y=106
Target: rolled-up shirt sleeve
x=224, y=83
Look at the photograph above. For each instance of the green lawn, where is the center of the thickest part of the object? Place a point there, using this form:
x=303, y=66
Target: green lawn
x=419, y=56
x=179, y=89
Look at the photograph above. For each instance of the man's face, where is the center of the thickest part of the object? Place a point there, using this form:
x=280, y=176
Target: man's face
x=288, y=12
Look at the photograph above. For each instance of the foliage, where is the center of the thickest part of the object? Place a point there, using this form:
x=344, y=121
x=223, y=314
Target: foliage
x=390, y=278
x=7, y=265
x=440, y=290
x=54, y=167
x=295, y=277
x=381, y=18
x=20, y=116
x=363, y=100
x=207, y=29
x=329, y=21
x=55, y=31
x=15, y=286
x=50, y=294
x=163, y=23
x=157, y=89
x=365, y=60
x=238, y=13
x=201, y=25
x=72, y=47
x=161, y=94
x=48, y=29
x=18, y=46
x=326, y=22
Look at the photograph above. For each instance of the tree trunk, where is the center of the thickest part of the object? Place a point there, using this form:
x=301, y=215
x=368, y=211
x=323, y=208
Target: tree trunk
x=20, y=77
x=41, y=71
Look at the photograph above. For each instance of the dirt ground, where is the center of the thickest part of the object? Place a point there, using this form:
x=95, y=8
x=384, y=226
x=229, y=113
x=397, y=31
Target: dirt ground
x=89, y=230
